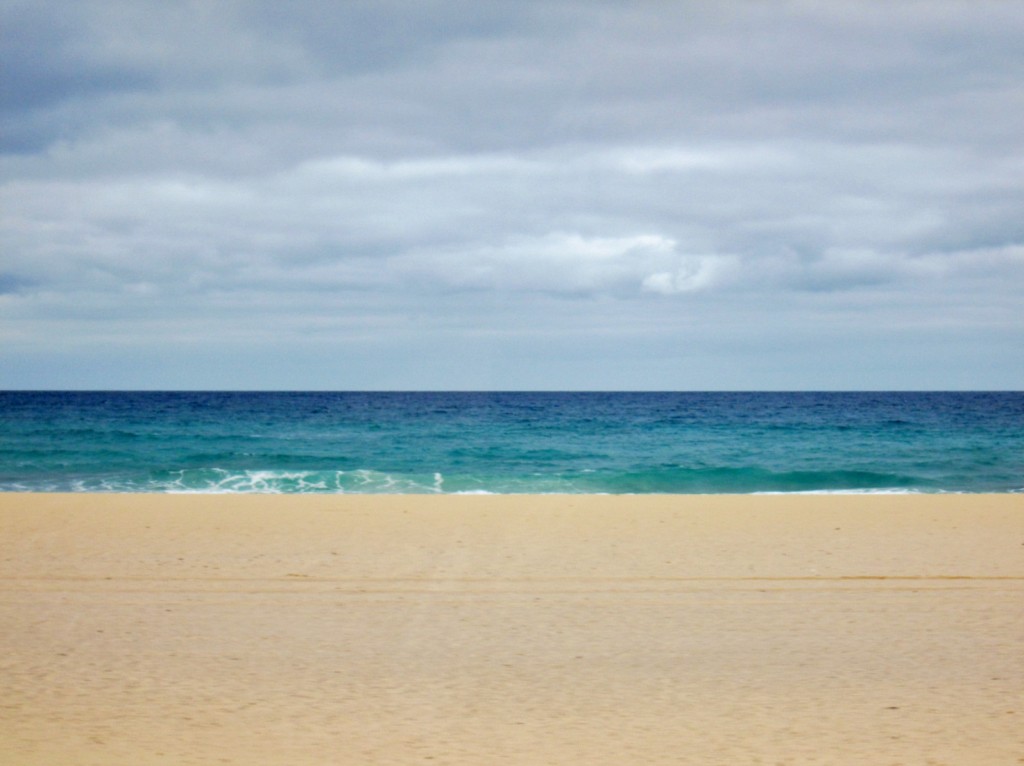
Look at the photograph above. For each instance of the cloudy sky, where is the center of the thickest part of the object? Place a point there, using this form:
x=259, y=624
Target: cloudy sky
x=462, y=194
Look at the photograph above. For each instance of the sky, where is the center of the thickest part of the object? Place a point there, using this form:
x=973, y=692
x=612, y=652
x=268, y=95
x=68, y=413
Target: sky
x=550, y=195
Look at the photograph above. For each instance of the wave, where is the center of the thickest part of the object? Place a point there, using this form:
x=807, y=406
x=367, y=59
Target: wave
x=660, y=480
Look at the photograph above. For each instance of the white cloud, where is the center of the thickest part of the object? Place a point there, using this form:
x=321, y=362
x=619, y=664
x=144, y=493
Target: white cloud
x=645, y=160
x=557, y=262
x=693, y=273
x=355, y=169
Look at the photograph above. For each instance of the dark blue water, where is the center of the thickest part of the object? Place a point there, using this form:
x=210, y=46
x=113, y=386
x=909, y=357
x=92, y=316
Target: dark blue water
x=511, y=442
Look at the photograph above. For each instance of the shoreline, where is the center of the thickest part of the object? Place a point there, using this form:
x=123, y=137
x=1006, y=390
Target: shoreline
x=489, y=493
x=302, y=629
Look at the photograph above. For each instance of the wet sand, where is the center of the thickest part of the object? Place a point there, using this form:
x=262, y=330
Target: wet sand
x=813, y=629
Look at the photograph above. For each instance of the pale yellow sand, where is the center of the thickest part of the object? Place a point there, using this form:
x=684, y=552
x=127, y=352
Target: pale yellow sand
x=511, y=630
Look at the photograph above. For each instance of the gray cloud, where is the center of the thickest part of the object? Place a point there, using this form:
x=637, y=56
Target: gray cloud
x=500, y=182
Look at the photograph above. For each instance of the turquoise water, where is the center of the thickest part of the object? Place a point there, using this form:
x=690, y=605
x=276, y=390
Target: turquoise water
x=511, y=442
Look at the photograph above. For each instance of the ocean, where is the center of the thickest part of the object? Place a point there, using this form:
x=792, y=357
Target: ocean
x=489, y=442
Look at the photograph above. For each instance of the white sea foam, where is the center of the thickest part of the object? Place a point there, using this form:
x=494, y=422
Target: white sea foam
x=219, y=480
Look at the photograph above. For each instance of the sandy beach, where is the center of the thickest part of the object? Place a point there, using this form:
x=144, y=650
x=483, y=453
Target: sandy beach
x=254, y=629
